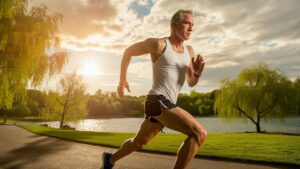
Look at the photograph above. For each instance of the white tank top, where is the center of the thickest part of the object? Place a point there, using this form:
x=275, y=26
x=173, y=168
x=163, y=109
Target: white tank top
x=169, y=72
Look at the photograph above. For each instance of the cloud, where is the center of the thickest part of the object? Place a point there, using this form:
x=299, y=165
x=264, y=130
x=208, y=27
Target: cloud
x=110, y=20
x=230, y=34
x=140, y=70
x=115, y=84
x=82, y=18
x=91, y=43
x=223, y=64
x=143, y=2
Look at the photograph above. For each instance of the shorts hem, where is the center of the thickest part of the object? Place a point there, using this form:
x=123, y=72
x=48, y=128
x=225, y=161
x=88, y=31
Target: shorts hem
x=154, y=105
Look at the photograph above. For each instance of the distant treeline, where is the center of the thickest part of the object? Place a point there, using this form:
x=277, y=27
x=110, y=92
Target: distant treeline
x=108, y=104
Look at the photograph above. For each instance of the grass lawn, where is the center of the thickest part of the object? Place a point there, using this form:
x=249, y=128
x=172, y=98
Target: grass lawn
x=276, y=148
x=8, y=121
x=15, y=119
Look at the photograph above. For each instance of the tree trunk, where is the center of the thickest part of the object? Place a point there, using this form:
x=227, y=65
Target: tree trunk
x=4, y=116
x=63, y=115
x=258, y=128
x=61, y=124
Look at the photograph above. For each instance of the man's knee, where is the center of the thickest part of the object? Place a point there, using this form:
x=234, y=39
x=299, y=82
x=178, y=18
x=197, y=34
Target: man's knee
x=200, y=134
x=137, y=145
x=132, y=145
x=203, y=134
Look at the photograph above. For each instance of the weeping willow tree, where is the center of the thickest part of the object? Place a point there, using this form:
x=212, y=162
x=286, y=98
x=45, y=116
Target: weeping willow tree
x=258, y=92
x=25, y=36
x=8, y=9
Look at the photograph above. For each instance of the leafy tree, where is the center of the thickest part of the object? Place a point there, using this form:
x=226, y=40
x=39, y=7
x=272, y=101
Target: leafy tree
x=102, y=104
x=108, y=104
x=72, y=99
x=92, y=107
x=52, y=109
x=205, y=104
x=258, y=92
x=189, y=102
x=20, y=110
x=297, y=88
x=36, y=102
x=132, y=106
x=68, y=103
x=198, y=104
x=24, y=37
x=8, y=9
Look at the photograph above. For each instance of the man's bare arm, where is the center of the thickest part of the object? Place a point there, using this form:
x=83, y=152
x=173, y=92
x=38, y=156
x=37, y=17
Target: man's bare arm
x=195, y=68
x=148, y=46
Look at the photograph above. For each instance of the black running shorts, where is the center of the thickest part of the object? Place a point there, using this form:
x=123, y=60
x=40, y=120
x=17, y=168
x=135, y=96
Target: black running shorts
x=153, y=105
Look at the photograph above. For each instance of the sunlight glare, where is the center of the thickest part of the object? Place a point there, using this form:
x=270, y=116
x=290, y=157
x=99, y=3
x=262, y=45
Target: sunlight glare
x=90, y=68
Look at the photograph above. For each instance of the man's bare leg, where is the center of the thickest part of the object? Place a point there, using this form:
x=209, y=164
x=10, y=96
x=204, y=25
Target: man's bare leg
x=186, y=152
x=147, y=132
x=180, y=120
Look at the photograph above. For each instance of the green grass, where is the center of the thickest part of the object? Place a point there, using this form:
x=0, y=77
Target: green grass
x=12, y=120
x=31, y=119
x=8, y=120
x=276, y=148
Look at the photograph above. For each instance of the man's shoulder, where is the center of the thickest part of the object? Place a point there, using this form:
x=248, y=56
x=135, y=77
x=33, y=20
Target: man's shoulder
x=189, y=47
x=156, y=41
x=157, y=44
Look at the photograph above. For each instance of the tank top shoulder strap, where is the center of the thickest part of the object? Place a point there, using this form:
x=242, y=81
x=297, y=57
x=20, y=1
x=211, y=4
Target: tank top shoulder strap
x=168, y=43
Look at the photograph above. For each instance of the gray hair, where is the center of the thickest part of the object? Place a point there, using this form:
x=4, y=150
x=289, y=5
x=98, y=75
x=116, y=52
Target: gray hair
x=178, y=17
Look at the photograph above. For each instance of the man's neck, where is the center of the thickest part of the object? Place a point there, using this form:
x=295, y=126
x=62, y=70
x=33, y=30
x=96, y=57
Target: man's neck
x=176, y=41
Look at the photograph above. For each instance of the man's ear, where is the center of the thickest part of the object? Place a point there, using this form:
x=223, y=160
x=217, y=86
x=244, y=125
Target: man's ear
x=173, y=26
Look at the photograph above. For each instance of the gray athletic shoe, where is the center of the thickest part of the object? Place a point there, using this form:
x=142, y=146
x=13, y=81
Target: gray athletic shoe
x=105, y=160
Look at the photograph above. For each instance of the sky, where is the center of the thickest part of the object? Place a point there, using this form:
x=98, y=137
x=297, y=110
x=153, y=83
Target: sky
x=230, y=35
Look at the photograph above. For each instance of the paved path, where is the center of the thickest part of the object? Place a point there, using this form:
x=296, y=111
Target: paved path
x=20, y=149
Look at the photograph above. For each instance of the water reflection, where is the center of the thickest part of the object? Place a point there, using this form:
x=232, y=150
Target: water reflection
x=89, y=125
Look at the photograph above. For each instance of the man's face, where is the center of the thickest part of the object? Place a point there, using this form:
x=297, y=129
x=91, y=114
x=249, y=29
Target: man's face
x=184, y=29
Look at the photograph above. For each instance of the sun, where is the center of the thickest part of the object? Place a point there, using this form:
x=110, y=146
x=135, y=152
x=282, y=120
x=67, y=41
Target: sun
x=89, y=68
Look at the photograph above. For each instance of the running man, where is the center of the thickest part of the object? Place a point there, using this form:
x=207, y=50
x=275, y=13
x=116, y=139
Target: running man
x=173, y=63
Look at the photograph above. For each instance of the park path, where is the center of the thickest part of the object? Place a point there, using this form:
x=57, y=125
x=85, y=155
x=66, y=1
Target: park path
x=20, y=149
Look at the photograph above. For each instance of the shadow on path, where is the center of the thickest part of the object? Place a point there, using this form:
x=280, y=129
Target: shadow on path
x=32, y=151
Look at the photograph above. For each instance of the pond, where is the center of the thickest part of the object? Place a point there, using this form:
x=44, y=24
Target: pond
x=212, y=124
